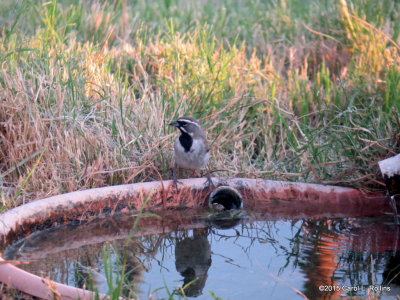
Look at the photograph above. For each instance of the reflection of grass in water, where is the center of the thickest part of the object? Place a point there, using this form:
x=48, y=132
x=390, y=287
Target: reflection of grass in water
x=321, y=245
x=123, y=268
x=95, y=84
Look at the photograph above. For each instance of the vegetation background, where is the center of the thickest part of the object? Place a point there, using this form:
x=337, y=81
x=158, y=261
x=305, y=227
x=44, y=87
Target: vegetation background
x=302, y=90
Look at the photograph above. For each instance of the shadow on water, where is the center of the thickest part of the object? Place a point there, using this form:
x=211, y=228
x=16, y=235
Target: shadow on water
x=236, y=255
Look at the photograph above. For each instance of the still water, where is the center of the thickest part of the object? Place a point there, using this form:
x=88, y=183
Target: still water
x=242, y=255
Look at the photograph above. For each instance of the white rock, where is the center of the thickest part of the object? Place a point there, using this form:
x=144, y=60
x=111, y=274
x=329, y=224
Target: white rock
x=390, y=166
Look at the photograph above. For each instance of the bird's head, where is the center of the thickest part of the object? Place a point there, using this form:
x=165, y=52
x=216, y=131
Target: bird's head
x=188, y=125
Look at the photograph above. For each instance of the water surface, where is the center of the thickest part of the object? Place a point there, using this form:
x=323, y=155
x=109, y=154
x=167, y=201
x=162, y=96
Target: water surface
x=244, y=256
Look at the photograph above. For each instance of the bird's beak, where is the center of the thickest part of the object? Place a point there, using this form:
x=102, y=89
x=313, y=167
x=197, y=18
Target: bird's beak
x=174, y=123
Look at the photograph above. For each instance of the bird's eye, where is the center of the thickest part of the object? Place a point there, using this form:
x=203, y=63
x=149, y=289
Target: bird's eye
x=184, y=124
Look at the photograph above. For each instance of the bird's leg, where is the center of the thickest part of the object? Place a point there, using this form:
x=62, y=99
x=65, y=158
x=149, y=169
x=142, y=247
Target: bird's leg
x=175, y=176
x=209, y=181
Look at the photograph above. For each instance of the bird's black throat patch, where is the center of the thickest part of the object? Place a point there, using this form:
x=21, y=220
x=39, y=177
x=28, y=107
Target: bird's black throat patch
x=186, y=141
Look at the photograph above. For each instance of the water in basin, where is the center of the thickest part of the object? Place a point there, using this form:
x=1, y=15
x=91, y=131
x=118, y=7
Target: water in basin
x=241, y=255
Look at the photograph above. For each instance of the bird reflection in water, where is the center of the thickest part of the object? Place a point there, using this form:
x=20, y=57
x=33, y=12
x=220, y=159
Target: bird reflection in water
x=192, y=261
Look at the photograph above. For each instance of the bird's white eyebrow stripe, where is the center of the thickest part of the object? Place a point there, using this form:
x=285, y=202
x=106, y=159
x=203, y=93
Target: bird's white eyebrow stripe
x=189, y=121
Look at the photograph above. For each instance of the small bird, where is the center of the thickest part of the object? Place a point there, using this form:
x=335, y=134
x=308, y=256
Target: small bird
x=191, y=147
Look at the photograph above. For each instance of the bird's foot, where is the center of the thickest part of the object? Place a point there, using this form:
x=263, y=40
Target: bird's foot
x=209, y=183
x=175, y=183
x=175, y=177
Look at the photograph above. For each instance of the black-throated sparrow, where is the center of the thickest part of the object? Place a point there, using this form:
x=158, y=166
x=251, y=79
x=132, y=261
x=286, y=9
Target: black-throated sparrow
x=191, y=147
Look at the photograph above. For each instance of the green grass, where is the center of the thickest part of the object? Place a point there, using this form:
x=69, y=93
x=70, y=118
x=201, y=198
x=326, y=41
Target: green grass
x=292, y=90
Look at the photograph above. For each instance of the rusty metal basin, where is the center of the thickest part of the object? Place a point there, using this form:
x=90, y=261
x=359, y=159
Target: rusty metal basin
x=272, y=198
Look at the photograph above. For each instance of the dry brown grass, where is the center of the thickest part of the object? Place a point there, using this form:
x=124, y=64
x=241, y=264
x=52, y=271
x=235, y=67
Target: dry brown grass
x=77, y=114
x=80, y=150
